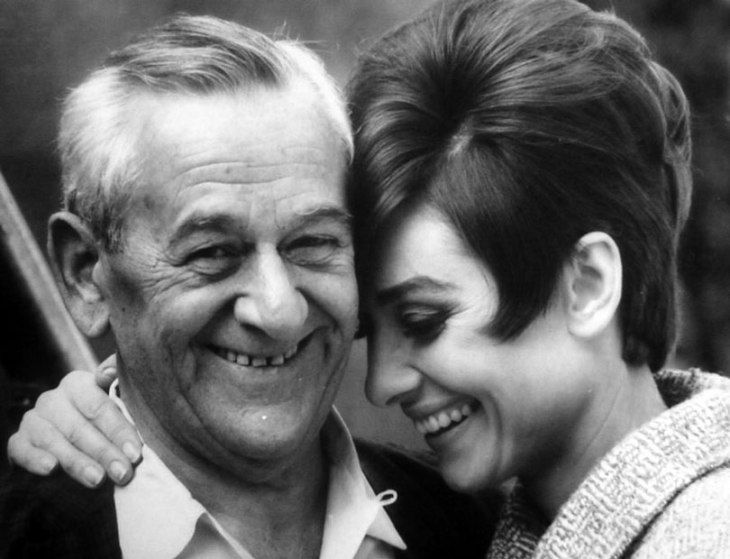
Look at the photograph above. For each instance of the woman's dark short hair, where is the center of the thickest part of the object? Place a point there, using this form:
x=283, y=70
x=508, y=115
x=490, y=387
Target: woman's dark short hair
x=529, y=123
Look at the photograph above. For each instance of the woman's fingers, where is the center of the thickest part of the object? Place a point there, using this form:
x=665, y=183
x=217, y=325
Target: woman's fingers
x=96, y=406
x=90, y=423
x=37, y=439
x=29, y=457
x=106, y=372
x=78, y=426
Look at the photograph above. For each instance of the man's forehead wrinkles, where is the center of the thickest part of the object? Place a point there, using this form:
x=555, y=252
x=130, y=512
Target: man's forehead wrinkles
x=251, y=172
x=259, y=154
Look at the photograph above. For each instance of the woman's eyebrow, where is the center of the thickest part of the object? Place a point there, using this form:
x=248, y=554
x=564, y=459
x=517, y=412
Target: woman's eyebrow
x=389, y=295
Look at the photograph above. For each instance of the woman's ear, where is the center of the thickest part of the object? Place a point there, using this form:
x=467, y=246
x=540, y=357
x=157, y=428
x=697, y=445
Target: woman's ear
x=73, y=253
x=593, y=280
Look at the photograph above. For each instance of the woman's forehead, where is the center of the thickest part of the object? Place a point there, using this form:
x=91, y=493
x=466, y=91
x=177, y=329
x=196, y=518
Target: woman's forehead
x=422, y=243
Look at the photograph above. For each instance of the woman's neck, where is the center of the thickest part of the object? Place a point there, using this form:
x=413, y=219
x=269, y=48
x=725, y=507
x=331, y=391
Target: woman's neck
x=629, y=401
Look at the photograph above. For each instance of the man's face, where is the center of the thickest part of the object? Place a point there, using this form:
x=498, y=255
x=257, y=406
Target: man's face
x=233, y=300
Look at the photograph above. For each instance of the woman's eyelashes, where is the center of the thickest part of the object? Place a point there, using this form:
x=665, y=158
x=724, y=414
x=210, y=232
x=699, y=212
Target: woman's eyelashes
x=422, y=323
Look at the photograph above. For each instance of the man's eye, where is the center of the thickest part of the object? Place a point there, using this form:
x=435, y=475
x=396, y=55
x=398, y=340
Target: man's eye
x=423, y=325
x=312, y=249
x=212, y=260
x=210, y=253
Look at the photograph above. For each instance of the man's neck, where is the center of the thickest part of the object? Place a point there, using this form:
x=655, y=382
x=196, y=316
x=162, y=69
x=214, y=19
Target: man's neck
x=282, y=517
x=274, y=509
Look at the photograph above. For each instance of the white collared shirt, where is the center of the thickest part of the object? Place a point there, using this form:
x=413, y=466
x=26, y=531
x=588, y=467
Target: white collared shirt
x=158, y=518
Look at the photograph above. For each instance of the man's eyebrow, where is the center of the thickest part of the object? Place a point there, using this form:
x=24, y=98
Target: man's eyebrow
x=207, y=222
x=225, y=222
x=389, y=295
x=323, y=213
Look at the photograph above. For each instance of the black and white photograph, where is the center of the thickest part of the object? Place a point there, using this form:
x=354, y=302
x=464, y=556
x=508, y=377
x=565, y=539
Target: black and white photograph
x=365, y=279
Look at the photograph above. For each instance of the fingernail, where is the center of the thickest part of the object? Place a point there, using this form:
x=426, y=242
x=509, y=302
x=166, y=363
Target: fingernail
x=93, y=476
x=131, y=451
x=117, y=471
x=47, y=465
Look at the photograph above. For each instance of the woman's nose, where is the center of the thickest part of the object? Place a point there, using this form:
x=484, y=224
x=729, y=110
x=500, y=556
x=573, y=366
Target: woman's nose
x=391, y=379
x=271, y=300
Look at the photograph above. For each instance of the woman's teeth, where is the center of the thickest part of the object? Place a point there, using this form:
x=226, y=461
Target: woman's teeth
x=256, y=361
x=443, y=420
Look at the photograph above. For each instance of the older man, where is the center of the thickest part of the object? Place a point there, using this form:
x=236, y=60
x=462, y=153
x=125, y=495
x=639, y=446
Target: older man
x=205, y=223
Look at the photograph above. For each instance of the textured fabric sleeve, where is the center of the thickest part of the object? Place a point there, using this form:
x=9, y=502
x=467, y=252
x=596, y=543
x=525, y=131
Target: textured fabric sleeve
x=695, y=525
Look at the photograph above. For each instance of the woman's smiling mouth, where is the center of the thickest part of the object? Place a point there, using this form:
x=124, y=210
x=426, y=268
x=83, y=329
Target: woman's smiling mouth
x=445, y=419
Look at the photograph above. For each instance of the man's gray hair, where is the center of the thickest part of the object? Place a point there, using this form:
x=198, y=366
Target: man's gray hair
x=193, y=54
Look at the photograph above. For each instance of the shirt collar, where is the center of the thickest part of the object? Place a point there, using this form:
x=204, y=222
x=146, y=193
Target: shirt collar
x=157, y=515
x=354, y=511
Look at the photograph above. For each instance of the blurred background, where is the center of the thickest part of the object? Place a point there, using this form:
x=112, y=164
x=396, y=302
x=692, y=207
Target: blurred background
x=47, y=46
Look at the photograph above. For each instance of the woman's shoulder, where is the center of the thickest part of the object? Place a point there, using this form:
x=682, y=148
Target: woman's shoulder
x=695, y=523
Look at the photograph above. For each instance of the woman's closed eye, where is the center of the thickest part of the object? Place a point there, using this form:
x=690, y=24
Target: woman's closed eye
x=423, y=324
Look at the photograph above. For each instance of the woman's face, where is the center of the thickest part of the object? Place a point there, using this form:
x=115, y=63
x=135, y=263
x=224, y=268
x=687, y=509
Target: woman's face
x=490, y=409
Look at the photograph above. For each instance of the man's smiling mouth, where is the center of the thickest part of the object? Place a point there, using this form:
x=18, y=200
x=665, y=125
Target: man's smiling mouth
x=260, y=361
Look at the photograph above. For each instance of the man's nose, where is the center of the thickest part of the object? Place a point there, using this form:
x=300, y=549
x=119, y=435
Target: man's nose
x=391, y=377
x=271, y=301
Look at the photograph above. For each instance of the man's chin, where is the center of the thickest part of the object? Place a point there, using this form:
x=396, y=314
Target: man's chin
x=268, y=435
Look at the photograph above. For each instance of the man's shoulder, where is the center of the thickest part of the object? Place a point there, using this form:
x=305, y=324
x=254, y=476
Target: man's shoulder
x=55, y=516
x=57, y=494
x=434, y=520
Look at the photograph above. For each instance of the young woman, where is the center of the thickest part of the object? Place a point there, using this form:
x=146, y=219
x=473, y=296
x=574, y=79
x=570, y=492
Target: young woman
x=520, y=181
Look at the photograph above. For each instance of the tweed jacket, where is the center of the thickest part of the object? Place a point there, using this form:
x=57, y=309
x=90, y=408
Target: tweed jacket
x=662, y=492
x=55, y=517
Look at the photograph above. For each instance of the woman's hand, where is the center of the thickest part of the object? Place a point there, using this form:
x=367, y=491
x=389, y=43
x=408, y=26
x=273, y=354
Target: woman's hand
x=78, y=427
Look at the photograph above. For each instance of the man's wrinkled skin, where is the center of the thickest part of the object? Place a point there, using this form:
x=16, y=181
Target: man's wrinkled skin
x=241, y=243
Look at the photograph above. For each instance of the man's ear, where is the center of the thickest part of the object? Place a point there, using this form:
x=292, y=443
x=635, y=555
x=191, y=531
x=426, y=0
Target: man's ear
x=73, y=253
x=593, y=280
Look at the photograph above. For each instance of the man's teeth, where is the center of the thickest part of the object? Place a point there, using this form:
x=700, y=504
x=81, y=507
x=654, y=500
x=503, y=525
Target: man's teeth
x=256, y=361
x=443, y=419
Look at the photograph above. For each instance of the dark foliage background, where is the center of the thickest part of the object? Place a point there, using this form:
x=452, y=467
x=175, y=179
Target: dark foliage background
x=47, y=46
